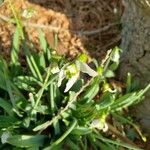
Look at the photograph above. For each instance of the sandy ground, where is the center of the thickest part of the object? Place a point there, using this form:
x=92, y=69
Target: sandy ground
x=80, y=25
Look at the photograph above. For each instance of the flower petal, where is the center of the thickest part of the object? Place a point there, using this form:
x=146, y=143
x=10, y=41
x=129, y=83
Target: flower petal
x=71, y=82
x=86, y=69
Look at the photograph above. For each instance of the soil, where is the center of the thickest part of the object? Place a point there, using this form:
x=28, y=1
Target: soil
x=80, y=25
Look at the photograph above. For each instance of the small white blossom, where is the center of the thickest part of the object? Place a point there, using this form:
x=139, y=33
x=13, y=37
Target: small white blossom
x=99, y=124
x=55, y=69
x=83, y=67
x=71, y=82
x=105, y=129
x=62, y=76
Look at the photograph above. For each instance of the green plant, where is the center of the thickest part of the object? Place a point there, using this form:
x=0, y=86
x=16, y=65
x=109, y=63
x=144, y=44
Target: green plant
x=52, y=103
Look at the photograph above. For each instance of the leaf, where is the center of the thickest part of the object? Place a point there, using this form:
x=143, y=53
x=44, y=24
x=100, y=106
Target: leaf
x=117, y=143
x=43, y=109
x=105, y=146
x=81, y=131
x=105, y=101
x=1, y=2
x=25, y=141
x=71, y=82
x=24, y=86
x=72, y=145
x=109, y=74
x=39, y=60
x=3, y=69
x=52, y=97
x=129, y=99
x=68, y=131
x=91, y=91
x=15, y=47
x=31, y=62
x=6, y=106
x=42, y=62
x=83, y=67
x=43, y=42
x=77, y=86
x=123, y=101
x=55, y=40
x=15, y=64
x=27, y=80
x=7, y=121
x=114, y=66
x=115, y=56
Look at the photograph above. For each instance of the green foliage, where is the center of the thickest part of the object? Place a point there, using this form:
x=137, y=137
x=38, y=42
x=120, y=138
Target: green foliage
x=54, y=105
x=1, y=2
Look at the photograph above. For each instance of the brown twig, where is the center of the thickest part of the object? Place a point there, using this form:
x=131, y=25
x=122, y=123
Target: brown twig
x=120, y=136
x=56, y=29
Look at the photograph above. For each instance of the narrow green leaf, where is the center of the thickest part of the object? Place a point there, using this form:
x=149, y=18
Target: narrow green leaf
x=42, y=62
x=105, y=102
x=128, y=99
x=43, y=42
x=9, y=88
x=25, y=141
x=27, y=80
x=72, y=145
x=6, y=106
x=3, y=69
x=117, y=143
x=31, y=62
x=17, y=19
x=1, y=2
x=81, y=131
x=7, y=121
x=15, y=48
x=69, y=130
x=91, y=91
x=55, y=40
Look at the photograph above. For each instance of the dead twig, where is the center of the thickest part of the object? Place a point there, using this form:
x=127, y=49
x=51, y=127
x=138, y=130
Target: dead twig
x=57, y=29
x=120, y=136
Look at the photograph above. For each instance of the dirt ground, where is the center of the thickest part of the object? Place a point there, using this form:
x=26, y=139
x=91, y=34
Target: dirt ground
x=80, y=25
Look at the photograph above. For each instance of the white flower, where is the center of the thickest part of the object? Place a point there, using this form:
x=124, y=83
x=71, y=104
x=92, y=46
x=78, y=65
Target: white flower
x=105, y=129
x=71, y=82
x=62, y=76
x=83, y=67
x=99, y=124
x=55, y=69
x=72, y=73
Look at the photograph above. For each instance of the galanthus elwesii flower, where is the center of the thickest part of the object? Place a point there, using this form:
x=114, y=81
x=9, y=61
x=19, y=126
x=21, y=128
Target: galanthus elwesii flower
x=72, y=73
